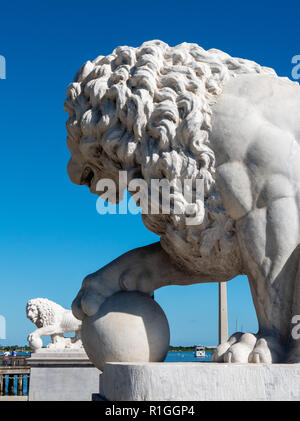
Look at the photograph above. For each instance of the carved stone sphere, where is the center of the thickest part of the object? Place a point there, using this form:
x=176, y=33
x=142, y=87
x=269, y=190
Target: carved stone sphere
x=128, y=327
x=35, y=342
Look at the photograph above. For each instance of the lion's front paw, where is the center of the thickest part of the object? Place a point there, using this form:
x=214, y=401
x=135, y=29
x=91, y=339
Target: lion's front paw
x=92, y=294
x=249, y=348
x=267, y=350
x=220, y=351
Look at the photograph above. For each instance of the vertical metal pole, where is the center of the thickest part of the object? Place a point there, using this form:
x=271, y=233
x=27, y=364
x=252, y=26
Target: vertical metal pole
x=4, y=383
x=20, y=384
x=28, y=383
x=223, y=316
x=11, y=384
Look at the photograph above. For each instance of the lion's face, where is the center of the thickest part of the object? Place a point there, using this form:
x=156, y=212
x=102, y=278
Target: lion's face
x=88, y=168
x=33, y=313
x=40, y=311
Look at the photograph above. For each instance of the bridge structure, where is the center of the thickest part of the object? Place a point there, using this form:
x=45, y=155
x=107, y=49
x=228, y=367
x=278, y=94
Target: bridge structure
x=14, y=378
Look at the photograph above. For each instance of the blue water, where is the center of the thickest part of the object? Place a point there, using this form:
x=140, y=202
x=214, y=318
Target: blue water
x=186, y=356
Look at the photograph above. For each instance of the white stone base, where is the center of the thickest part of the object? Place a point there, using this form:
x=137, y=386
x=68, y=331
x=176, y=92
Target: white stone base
x=62, y=376
x=200, y=382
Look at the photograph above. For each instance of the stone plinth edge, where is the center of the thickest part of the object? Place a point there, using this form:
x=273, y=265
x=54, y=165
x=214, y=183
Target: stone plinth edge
x=200, y=382
x=59, y=358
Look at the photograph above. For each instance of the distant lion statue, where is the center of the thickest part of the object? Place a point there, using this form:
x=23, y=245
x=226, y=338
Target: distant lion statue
x=177, y=113
x=52, y=320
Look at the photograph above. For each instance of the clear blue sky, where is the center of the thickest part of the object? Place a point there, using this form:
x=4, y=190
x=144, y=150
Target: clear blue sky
x=51, y=234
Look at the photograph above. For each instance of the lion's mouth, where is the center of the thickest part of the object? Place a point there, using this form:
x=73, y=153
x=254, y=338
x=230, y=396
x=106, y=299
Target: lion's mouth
x=87, y=177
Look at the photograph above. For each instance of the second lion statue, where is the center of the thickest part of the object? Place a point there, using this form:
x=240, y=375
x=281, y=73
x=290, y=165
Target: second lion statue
x=176, y=113
x=52, y=320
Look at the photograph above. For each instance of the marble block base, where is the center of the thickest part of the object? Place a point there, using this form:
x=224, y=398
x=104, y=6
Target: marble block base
x=199, y=382
x=62, y=376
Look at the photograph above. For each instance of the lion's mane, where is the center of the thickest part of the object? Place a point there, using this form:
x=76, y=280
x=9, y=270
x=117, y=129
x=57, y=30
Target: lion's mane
x=148, y=110
x=47, y=311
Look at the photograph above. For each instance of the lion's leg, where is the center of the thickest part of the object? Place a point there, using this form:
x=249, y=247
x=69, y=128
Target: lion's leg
x=44, y=331
x=268, y=240
x=143, y=269
x=47, y=331
x=77, y=336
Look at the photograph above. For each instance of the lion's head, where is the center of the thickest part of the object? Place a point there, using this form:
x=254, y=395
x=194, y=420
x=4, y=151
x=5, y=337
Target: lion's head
x=147, y=111
x=42, y=312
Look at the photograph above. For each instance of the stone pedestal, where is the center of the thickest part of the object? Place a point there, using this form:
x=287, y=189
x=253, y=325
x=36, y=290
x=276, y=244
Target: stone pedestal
x=62, y=376
x=199, y=382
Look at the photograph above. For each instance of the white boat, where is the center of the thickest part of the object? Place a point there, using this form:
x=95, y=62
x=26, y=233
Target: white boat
x=199, y=351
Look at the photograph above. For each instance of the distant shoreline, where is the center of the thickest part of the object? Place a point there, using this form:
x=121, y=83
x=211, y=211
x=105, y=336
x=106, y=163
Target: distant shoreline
x=27, y=349
x=187, y=348
x=15, y=348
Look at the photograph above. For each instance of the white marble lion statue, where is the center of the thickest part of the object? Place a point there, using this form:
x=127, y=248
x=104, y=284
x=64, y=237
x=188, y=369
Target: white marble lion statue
x=52, y=320
x=176, y=113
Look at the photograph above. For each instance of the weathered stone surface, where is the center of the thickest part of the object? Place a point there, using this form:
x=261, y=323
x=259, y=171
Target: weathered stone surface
x=200, y=382
x=178, y=113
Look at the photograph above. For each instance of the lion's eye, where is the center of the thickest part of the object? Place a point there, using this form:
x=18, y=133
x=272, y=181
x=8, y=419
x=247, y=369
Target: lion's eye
x=87, y=176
